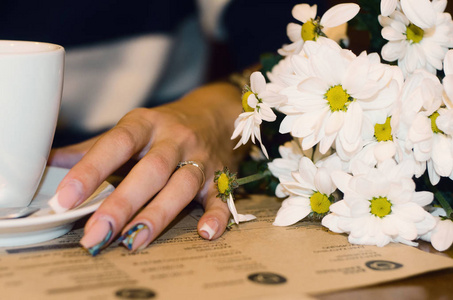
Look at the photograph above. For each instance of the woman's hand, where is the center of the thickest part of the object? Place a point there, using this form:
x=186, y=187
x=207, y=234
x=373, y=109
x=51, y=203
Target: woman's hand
x=195, y=128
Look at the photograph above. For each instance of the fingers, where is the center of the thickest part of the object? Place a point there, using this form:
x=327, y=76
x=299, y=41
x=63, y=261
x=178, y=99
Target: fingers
x=67, y=157
x=215, y=219
x=108, y=220
x=151, y=221
x=107, y=154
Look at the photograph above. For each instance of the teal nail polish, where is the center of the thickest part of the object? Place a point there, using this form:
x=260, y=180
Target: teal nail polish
x=94, y=250
x=129, y=236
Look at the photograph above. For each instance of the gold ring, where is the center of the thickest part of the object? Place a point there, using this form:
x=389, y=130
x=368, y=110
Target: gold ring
x=196, y=164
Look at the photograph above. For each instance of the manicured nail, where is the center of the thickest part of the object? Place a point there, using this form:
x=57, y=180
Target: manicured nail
x=209, y=229
x=97, y=237
x=69, y=196
x=136, y=237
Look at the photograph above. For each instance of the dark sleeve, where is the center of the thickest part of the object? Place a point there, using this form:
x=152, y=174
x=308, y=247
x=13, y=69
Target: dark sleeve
x=73, y=23
x=259, y=26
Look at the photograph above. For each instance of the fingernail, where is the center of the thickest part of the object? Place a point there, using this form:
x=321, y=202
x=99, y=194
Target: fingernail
x=136, y=237
x=97, y=237
x=209, y=229
x=69, y=196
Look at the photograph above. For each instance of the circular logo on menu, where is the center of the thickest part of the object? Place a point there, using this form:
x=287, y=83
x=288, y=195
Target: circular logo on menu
x=383, y=265
x=267, y=278
x=135, y=293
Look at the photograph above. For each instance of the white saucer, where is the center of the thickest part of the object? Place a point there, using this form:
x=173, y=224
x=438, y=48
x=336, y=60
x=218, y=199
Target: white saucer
x=45, y=225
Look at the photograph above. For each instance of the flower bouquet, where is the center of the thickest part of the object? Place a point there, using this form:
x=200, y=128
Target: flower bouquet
x=371, y=135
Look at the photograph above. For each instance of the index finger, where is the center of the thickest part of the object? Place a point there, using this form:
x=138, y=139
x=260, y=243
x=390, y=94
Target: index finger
x=110, y=152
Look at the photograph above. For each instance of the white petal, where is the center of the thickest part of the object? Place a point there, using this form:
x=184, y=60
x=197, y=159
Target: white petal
x=391, y=34
x=334, y=122
x=257, y=82
x=440, y=5
x=360, y=208
x=448, y=63
x=406, y=229
x=266, y=113
x=315, y=86
x=434, y=178
x=291, y=214
x=341, y=180
x=252, y=101
x=442, y=155
x=387, y=7
x=287, y=124
x=232, y=208
x=307, y=170
x=331, y=221
x=420, y=129
x=442, y=237
x=245, y=218
x=384, y=150
x=304, y=12
x=422, y=198
x=393, y=51
x=293, y=31
x=326, y=143
x=341, y=208
x=420, y=12
x=353, y=122
x=356, y=75
x=388, y=227
x=323, y=182
x=328, y=65
x=339, y=14
x=308, y=123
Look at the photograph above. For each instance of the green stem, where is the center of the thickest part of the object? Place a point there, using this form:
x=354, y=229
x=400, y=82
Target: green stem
x=254, y=177
x=440, y=197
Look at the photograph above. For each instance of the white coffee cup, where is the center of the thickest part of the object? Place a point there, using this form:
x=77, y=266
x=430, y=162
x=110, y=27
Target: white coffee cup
x=31, y=84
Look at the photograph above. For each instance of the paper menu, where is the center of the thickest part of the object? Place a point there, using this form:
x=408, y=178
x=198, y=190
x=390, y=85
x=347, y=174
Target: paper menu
x=254, y=260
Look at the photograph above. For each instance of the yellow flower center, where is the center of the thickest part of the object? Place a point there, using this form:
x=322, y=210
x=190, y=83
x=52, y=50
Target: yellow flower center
x=223, y=183
x=309, y=31
x=319, y=203
x=433, y=119
x=245, y=104
x=380, y=207
x=338, y=98
x=414, y=33
x=383, y=132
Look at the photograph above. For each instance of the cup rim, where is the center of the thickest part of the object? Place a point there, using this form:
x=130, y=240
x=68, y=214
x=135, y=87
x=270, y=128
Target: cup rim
x=22, y=47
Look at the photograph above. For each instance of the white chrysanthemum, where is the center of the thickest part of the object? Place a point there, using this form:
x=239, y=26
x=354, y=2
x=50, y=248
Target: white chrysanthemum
x=310, y=191
x=441, y=237
x=419, y=35
x=257, y=103
x=388, y=7
x=421, y=107
x=341, y=90
x=313, y=28
x=381, y=146
x=380, y=140
x=291, y=153
x=380, y=205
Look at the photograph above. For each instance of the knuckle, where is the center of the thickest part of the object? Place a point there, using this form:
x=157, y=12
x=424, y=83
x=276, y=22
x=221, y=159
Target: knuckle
x=189, y=136
x=139, y=113
x=124, y=139
x=161, y=163
x=121, y=207
x=88, y=175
